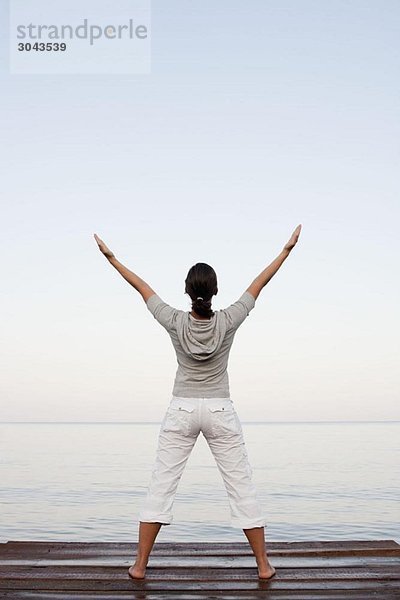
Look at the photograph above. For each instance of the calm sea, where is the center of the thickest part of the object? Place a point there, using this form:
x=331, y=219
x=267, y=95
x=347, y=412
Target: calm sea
x=85, y=482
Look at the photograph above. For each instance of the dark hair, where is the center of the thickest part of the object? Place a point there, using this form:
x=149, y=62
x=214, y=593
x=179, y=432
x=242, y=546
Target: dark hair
x=201, y=280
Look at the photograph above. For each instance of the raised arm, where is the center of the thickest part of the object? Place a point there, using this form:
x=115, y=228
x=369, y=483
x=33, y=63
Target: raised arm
x=262, y=279
x=141, y=286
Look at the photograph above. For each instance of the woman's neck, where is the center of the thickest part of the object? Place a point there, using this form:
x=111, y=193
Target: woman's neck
x=196, y=316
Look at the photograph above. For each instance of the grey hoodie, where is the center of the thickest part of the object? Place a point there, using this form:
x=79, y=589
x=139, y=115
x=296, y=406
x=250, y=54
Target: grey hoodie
x=200, y=339
x=202, y=346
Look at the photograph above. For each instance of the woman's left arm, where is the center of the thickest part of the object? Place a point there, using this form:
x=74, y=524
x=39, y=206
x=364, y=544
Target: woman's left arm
x=137, y=282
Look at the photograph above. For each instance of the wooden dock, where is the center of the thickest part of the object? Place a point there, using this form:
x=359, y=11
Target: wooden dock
x=189, y=571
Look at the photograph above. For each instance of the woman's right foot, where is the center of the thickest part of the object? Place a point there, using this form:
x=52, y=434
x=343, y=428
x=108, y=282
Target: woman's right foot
x=265, y=570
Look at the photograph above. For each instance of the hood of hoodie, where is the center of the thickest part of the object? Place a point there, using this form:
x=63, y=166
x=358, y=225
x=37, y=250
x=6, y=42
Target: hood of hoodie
x=201, y=339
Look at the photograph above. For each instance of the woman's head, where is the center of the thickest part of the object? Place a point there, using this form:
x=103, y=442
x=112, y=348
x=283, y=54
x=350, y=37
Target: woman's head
x=201, y=280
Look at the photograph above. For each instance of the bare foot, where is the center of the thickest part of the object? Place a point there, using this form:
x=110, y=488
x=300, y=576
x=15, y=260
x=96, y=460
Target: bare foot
x=266, y=571
x=136, y=572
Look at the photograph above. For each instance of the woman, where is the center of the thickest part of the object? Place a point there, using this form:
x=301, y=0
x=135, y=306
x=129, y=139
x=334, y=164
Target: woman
x=201, y=401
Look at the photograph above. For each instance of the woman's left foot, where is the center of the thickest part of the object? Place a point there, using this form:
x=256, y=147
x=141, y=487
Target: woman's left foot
x=136, y=572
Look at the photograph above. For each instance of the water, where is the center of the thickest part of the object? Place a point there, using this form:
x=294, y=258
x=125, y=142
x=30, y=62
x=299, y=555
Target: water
x=85, y=482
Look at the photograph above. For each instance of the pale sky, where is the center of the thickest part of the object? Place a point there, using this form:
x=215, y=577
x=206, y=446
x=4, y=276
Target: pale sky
x=255, y=118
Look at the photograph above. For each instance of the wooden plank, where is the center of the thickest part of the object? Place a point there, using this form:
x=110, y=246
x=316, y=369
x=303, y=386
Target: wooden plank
x=257, y=594
x=77, y=549
x=190, y=562
x=200, y=572
x=228, y=586
x=179, y=573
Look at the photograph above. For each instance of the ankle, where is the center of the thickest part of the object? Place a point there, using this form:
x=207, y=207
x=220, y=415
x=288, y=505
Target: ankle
x=141, y=561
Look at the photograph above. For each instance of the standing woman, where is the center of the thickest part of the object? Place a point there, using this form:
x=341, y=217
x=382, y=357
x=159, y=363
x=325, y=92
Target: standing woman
x=201, y=402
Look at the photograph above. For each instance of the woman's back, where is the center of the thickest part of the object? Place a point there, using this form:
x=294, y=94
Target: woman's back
x=202, y=346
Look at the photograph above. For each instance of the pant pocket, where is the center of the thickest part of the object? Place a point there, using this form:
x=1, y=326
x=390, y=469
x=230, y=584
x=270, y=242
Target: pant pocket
x=179, y=416
x=224, y=419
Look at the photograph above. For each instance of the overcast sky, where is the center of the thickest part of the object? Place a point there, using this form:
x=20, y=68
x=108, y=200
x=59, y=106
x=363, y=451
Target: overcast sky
x=255, y=117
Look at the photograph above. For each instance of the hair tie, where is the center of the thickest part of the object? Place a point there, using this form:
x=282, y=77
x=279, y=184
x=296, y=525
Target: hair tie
x=199, y=298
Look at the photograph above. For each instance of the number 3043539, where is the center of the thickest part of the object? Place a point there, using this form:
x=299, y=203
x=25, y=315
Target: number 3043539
x=42, y=47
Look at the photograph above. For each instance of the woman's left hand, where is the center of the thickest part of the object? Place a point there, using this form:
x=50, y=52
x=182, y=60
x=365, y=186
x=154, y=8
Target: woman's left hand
x=103, y=248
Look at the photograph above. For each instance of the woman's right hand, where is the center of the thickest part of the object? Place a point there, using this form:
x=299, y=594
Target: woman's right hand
x=293, y=239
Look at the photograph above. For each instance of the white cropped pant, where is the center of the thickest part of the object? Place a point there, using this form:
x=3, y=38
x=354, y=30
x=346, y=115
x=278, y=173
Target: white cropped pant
x=217, y=419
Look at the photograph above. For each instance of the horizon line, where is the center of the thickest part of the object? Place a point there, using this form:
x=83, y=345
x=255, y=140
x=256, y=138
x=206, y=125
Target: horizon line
x=159, y=422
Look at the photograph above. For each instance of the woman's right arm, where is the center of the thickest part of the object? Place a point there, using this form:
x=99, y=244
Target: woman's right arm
x=262, y=279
